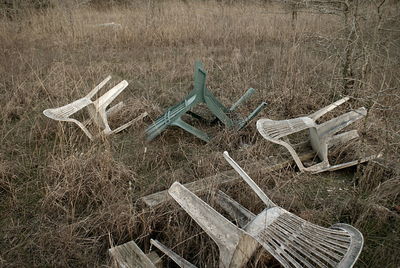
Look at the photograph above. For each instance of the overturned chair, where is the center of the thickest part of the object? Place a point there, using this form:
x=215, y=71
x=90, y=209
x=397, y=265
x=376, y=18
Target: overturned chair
x=293, y=241
x=322, y=136
x=97, y=109
x=201, y=94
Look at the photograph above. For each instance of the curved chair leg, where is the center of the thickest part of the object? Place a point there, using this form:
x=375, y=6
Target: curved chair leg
x=82, y=126
x=128, y=124
x=294, y=155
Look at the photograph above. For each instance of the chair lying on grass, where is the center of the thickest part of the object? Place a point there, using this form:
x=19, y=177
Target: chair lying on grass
x=201, y=94
x=293, y=241
x=322, y=136
x=97, y=109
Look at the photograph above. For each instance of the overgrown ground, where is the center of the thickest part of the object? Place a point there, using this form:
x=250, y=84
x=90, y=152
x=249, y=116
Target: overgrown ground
x=66, y=200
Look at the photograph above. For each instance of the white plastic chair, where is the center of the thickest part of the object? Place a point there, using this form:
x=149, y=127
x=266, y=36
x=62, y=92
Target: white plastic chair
x=293, y=241
x=97, y=109
x=322, y=136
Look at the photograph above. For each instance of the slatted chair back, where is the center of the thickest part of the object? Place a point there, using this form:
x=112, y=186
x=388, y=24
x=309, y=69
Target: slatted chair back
x=295, y=242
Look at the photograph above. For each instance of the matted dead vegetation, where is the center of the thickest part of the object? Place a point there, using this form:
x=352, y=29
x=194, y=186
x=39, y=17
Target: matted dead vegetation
x=66, y=200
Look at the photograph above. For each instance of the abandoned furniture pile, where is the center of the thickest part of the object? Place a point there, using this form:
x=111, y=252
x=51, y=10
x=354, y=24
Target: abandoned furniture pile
x=291, y=240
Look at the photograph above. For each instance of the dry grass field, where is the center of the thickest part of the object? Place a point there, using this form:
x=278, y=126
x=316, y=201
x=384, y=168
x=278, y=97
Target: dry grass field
x=65, y=200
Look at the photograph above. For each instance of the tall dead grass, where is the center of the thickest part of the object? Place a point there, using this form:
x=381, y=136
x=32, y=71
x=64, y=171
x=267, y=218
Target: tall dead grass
x=65, y=200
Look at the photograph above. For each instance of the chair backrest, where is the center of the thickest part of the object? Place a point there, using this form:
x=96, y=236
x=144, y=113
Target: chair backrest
x=276, y=129
x=295, y=242
x=64, y=112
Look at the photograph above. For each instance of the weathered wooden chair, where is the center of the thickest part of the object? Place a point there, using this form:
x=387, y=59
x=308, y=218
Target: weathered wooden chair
x=322, y=136
x=293, y=241
x=97, y=109
x=201, y=94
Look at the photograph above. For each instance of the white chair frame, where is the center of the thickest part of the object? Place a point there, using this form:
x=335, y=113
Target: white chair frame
x=97, y=109
x=293, y=241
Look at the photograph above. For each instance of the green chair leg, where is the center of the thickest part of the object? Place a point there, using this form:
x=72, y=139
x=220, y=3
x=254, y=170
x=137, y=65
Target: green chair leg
x=198, y=133
x=252, y=115
x=243, y=99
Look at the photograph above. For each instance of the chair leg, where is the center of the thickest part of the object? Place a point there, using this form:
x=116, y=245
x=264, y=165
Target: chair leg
x=82, y=126
x=109, y=96
x=218, y=110
x=115, y=109
x=328, y=108
x=98, y=87
x=294, y=155
x=348, y=164
x=241, y=214
x=167, y=251
x=249, y=181
x=337, y=124
x=224, y=233
x=242, y=99
x=130, y=255
x=343, y=138
x=128, y=124
x=198, y=133
x=252, y=115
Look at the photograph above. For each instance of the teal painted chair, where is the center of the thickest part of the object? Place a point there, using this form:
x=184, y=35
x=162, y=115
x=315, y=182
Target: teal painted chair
x=201, y=94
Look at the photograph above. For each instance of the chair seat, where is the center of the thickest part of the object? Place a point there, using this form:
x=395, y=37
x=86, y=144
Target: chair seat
x=276, y=129
x=64, y=112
